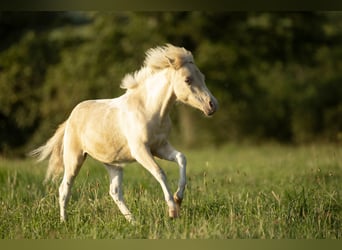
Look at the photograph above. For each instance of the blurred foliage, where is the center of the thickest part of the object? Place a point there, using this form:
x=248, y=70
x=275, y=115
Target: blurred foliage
x=277, y=75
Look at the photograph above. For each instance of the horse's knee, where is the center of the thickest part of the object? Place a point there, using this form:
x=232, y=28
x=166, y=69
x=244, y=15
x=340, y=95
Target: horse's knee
x=64, y=190
x=181, y=159
x=114, y=193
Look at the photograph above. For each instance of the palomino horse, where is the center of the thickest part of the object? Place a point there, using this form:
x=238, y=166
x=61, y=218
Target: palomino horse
x=132, y=127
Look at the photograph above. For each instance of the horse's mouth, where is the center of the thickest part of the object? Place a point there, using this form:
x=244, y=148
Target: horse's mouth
x=209, y=113
x=211, y=108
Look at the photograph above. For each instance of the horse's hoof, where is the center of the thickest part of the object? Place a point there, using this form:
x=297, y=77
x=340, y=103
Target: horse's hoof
x=174, y=213
x=177, y=200
x=131, y=220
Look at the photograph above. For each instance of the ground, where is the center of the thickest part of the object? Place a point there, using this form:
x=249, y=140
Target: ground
x=233, y=191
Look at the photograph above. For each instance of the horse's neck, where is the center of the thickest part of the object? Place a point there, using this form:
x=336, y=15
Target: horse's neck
x=157, y=96
x=167, y=102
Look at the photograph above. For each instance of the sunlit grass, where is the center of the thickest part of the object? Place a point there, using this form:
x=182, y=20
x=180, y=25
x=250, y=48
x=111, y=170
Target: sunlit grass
x=267, y=191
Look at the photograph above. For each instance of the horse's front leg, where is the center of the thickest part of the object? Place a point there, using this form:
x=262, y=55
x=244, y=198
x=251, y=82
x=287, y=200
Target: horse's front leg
x=167, y=152
x=143, y=155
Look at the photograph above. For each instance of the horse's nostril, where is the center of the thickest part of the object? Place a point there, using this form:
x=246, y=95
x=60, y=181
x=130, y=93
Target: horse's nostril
x=211, y=104
x=212, y=108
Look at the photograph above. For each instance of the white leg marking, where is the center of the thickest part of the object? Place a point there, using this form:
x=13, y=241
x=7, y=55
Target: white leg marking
x=64, y=195
x=169, y=153
x=181, y=161
x=115, y=190
x=143, y=155
x=72, y=165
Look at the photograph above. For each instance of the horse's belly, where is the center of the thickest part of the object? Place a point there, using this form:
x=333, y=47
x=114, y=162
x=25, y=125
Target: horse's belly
x=121, y=155
x=107, y=147
x=111, y=154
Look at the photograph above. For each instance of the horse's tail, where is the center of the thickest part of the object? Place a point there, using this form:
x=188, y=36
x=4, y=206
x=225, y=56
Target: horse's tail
x=54, y=148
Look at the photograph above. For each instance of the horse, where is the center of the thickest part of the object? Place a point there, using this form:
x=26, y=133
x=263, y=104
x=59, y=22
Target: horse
x=132, y=127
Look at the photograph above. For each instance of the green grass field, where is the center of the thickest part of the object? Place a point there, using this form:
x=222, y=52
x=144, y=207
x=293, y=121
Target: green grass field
x=267, y=191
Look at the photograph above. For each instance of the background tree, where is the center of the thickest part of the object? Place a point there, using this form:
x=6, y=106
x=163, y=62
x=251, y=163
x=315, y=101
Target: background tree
x=277, y=75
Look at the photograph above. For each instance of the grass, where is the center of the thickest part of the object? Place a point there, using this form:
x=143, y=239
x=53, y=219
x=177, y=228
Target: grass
x=235, y=191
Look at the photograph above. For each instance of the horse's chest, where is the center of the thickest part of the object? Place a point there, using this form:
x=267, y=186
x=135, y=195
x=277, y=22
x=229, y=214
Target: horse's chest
x=158, y=133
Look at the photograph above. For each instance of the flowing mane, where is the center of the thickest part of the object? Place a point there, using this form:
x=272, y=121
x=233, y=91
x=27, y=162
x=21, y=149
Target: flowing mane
x=157, y=59
x=162, y=57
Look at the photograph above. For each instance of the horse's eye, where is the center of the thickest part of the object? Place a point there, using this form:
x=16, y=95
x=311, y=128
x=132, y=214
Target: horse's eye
x=188, y=80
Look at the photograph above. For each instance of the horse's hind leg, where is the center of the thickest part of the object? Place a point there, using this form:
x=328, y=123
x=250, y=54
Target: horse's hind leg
x=115, y=190
x=72, y=164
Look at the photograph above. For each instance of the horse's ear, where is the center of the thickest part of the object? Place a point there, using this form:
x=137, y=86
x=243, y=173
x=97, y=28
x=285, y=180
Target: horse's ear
x=170, y=61
x=174, y=62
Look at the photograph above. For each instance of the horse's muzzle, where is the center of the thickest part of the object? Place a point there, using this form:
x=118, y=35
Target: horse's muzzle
x=212, y=107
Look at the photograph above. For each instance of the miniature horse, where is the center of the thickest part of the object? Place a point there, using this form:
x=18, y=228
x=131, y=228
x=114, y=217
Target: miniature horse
x=132, y=127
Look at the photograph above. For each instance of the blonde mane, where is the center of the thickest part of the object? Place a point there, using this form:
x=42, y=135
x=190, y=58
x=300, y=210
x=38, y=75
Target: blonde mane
x=158, y=59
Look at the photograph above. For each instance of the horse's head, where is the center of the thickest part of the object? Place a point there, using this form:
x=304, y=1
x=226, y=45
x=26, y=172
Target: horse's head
x=188, y=82
x=189, y=87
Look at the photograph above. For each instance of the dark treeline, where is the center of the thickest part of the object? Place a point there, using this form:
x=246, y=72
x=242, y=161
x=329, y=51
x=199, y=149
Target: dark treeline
x=277, y=76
